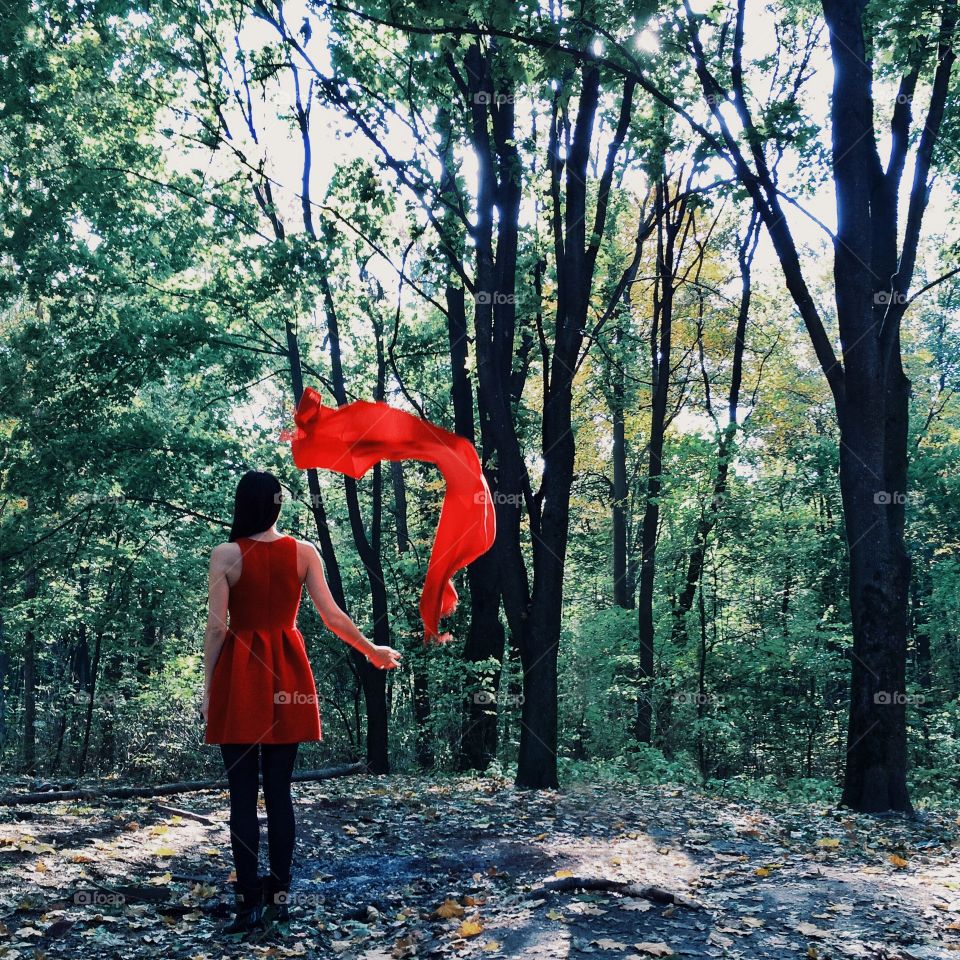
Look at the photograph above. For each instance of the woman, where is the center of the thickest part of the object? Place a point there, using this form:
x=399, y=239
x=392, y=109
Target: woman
x=259, y=697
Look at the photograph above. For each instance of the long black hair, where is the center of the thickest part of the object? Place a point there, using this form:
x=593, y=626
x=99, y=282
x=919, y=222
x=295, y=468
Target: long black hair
x=256, y=505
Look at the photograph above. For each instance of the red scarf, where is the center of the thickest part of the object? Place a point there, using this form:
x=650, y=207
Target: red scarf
x=351, y=438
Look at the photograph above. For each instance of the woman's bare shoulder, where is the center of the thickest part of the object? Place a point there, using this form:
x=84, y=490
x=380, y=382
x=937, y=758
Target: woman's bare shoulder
x=306, y=546
x=225, y=552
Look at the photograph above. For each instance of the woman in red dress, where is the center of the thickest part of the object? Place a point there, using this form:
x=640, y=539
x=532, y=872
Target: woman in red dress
x=259, y=698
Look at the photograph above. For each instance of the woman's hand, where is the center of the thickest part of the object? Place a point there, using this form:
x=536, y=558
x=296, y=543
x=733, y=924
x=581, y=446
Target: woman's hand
x=385, y=658
x=205, y=706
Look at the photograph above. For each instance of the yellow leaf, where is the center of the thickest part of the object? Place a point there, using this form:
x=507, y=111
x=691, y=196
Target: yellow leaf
x=164, y=878
x=469, y=928
x=828, y=843
x=554, y=915
x=449, y=908
x=761, y=872
x=897, y=861
x=563, y=873
x=491, y=945
x=165, y=852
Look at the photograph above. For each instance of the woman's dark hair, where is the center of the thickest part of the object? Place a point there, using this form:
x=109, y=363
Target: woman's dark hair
x=256, y=505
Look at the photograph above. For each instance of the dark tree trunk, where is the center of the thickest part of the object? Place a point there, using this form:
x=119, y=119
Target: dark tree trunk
x=622, y=585
x=669, y=226
x=30, y=675
x=485, y=636
x=499, y=186
x=871, y=393
x=421, y=687
x=374, y=681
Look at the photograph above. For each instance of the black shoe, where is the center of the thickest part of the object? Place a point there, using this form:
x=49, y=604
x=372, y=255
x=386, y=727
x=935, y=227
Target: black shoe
x=249, y=912
x=276, y=899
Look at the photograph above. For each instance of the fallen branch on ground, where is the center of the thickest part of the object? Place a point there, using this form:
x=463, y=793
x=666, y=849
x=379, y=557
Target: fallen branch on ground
x=654, y=894
x=163, y=789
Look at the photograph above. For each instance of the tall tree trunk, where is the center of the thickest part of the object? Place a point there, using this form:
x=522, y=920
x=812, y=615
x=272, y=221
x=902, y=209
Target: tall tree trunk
x=669, y=252
x=871, y=393
x=485, y=635
x=374, y=681
x=660, y=351
x=30, y=670
x=420, y=679
x=622, y=585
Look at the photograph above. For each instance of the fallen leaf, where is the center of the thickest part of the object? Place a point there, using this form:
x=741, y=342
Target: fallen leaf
x=469, y=928
x=449, y=908
x=659, y=949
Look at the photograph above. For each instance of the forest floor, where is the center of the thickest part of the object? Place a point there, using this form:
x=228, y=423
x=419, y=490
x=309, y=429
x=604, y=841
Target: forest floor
x=401, y=866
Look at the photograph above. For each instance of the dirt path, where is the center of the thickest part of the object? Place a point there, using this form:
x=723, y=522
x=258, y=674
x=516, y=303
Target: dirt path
x=400, y=866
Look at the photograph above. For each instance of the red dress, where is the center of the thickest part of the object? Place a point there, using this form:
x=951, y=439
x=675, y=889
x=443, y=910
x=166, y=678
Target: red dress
x=262, y=689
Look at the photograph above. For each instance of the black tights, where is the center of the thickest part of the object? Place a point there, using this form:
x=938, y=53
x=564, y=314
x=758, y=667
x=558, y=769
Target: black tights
x=242, y=761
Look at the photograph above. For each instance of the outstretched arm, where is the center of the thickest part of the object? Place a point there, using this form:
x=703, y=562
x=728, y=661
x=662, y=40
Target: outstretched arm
x=337, y=620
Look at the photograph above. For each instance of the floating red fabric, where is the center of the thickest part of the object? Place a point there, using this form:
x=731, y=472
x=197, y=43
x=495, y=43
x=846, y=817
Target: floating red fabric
x=351, y=438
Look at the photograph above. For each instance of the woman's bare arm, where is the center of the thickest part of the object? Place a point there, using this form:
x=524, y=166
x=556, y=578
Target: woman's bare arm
x=218, y=594
x=336, y=619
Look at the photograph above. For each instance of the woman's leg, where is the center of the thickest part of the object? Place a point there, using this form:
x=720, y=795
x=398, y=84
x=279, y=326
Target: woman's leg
x=242, y=763
x=278, y=760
